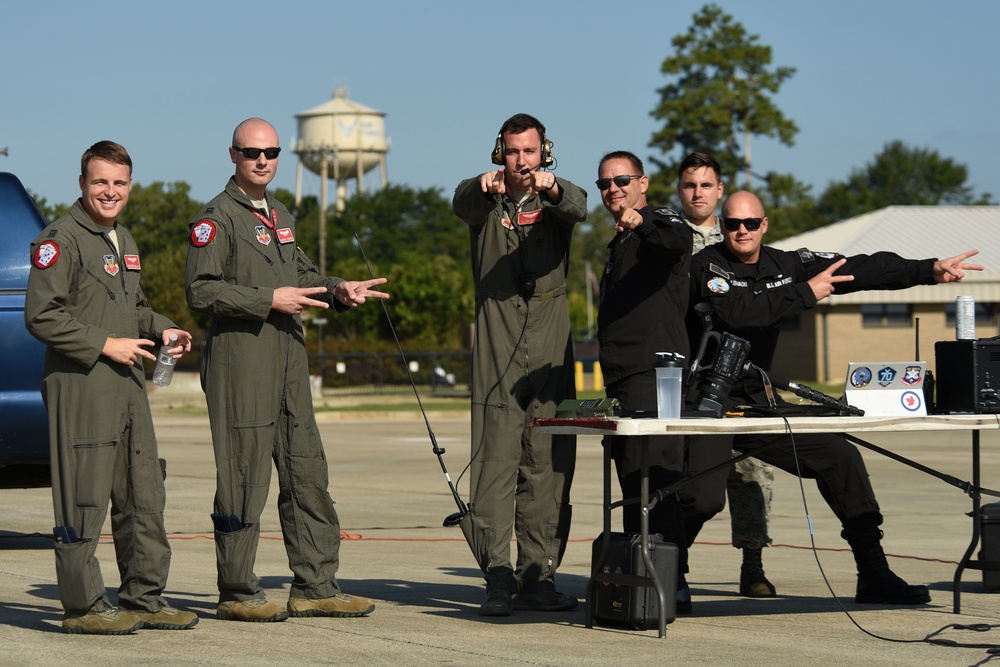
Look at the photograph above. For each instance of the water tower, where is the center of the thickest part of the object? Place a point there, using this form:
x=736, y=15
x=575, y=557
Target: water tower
x=341, y=140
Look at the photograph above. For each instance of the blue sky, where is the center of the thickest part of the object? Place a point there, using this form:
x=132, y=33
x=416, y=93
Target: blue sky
x=171, y=80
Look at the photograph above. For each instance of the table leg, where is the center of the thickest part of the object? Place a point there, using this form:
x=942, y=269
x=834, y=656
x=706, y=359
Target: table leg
x=974, y=492
x=644, y=547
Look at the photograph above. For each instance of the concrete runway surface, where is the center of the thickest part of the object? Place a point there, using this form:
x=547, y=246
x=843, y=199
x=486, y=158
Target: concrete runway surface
x=392, y=498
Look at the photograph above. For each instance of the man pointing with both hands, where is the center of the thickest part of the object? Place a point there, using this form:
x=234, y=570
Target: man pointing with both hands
x=521, y=221
x=753, y=289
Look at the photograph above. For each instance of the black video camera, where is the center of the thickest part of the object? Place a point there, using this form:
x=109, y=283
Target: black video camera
x=722, y=359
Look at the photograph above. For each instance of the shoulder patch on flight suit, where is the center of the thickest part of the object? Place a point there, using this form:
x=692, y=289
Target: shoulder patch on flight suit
x=46, y=254
x=717, y=285
x=805, y=255
x=203, y=233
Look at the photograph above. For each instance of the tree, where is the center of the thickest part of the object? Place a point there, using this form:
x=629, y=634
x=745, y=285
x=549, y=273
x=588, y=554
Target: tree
x=395, y=222
x=50, y=213
x=790, y=208
x=590, y=245
x=412, y=238
x=157, y=216
x=899, y=175
x=719, y=96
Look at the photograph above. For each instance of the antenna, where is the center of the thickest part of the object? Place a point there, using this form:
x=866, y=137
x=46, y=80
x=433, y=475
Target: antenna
x=5, y=150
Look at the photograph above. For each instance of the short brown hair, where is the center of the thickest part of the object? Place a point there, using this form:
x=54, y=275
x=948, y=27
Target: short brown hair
x=623, y=155
x=108, y=151
x=697, y=160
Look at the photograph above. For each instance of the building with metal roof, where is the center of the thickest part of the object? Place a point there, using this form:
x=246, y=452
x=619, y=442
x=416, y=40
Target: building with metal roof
x=893, y=325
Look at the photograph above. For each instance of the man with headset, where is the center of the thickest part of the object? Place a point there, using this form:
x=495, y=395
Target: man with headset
x=521, y=221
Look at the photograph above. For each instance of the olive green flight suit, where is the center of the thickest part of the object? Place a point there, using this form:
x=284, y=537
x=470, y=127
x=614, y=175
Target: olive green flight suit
x=80, y=292
x=522, y=368
x=256, y=380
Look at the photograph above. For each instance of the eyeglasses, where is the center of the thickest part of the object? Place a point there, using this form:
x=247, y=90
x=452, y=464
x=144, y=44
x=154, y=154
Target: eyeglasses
x=621, y=181
x=733, y=224
x=254, y=153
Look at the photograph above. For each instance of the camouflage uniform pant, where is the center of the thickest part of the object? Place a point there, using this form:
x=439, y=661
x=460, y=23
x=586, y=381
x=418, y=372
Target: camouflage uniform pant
x=750, y=488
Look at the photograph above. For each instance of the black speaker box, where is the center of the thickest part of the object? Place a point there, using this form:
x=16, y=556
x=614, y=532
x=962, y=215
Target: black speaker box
x=967, y=376
x=635, y=607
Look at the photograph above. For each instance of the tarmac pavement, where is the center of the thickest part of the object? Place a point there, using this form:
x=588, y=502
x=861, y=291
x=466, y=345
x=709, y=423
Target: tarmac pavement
x=392, y=498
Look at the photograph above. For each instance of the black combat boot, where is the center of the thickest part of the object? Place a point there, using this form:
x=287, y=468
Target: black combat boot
x=499, y=587
x=877, y=584
x=683, y=595
x=753, y=583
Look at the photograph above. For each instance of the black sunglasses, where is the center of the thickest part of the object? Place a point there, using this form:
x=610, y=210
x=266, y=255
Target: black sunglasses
x=254, y=153
x=733, y=224
x=621, y=181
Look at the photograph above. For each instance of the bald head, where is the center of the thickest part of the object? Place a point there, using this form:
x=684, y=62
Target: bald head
x=742, y=211
x=251, y=125
x=253, y=174
x=743, y=204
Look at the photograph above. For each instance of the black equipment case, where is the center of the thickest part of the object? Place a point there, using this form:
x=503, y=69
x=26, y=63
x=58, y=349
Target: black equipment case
x=635, y=607
x=989, y=523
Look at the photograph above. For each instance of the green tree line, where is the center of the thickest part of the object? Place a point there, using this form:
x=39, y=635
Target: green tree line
x=718, y=95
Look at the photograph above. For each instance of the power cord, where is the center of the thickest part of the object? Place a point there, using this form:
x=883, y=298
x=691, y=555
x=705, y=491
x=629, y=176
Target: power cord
x=992, y=649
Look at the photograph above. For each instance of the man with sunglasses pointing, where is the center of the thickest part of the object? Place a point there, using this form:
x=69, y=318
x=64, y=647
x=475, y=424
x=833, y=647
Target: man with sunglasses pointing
x=644, y=297
x=753, y=289
x=245, y=271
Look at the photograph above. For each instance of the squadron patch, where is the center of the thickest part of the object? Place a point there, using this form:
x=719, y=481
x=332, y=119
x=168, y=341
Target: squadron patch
x=912, y=375
x=132, y=262
x=886, y=376
x=285, y=235
x=861, y=377
x=262, y=236
x=203, y=233
x=718, y=285
x=111, y=265
x=46, y=254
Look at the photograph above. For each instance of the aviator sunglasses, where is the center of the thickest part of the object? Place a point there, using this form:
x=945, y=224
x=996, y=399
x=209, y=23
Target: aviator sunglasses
x=733, y=224
x=254, y=153
x=621, y=181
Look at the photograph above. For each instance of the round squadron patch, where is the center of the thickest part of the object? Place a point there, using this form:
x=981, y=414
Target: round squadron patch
x=202, y=233
x=861, y=377
x=718, y=285
x=46, y=254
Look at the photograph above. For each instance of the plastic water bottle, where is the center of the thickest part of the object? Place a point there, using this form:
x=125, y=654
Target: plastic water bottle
x=669, y=373
x=164, y=371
